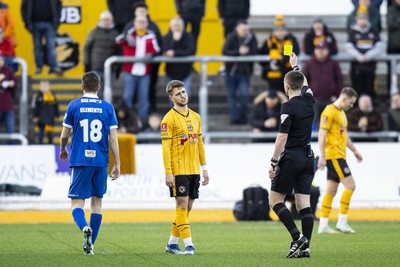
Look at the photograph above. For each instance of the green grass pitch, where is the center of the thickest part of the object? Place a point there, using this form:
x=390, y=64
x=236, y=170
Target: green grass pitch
x=217, y=244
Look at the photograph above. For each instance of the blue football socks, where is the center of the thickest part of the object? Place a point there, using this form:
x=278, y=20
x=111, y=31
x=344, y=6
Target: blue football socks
x=79, y=217
x=95, y=222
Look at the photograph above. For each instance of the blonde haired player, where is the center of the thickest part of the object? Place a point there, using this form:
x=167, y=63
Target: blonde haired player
x=333, y=140
x=183, y=154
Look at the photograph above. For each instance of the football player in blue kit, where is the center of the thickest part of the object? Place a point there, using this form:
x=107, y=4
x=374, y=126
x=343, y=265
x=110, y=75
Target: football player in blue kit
x=94, y=124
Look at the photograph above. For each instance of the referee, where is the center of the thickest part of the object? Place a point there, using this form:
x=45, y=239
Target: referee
x=292, y=164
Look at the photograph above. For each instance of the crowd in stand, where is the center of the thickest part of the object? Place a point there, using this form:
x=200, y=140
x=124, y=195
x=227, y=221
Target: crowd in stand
x=127, y=29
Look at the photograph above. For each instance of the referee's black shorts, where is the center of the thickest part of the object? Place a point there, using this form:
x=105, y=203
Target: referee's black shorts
x=295, y=170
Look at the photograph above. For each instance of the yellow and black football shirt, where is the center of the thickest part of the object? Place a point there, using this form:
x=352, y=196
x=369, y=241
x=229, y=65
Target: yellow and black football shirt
x=182, y=143
x=334, y=120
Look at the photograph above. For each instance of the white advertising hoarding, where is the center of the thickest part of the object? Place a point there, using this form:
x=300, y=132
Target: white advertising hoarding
x=232, y=168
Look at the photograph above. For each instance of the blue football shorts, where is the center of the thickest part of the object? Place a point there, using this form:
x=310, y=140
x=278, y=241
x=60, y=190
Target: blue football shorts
x=87, y=182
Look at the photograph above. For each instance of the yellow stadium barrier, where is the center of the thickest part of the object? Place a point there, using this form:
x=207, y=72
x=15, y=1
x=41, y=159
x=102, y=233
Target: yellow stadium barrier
x=126, y=144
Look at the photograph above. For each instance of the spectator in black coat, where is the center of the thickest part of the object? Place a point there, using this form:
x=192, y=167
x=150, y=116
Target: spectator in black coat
x=178, y=43
x=192, y=11
x=266, y=111
x=122, y=12
x=42, y=18
x=319, y=33
x=231, y=11
x=241, y=42
x=100, y=45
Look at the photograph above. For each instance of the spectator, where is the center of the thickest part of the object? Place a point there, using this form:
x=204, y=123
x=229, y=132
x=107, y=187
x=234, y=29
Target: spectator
x=241, y=42
x=278, y=66
x=6, y=50
x=372, y=12
x=99, y=45
x=128, y=121
x=121, y=11
x=319, y=33
x=7, y=86
x=266, y=111
x=141, y=9
x=178, y=43
x=374, y=3
x=324, y=77
x=364, y=45
x=364, y=118
x=231, y=11
x=394, y=113
x=192, y=11
x=45, y=111
x=153, y=124
x=393, y=29
x=42, y=18
x=138, y=42
x=7, y=24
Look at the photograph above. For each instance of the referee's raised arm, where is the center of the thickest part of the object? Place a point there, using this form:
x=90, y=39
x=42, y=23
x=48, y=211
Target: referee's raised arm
x=293, y=60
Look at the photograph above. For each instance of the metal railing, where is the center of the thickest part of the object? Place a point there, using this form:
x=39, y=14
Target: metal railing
x=203, y=60
x=23, y=106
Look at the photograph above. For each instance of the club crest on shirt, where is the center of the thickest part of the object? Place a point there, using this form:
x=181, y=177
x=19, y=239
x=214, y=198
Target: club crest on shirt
x=325, y=119
x=163, y=127
x=190, y=128
x=283, y=117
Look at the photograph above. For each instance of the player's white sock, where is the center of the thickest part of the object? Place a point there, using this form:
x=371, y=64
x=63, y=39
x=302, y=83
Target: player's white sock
x=173, y=240
x=323, y=222
x=342, y=218
x=188, y=242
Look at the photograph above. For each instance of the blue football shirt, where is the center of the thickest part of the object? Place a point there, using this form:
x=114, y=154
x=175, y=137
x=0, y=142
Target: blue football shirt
x=91, y=119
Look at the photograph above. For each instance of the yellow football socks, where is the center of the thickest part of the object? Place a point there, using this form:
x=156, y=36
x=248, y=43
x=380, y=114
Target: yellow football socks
x=174, y=230
x=345, y=201
x=326, y=205
x=182, y=223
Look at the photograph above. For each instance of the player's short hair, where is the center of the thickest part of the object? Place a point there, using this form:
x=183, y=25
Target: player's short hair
x=91, y=82
x=172, y=85
x=349, y=92
x=295, y=80
x=139, y=4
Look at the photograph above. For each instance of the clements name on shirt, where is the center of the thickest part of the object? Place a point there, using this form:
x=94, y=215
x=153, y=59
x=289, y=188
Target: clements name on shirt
x=91, y=110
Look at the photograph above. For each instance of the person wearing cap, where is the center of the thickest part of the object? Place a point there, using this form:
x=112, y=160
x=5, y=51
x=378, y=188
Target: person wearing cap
x=278, y=66
x=364, y=45
x=324, y=77
x=318, y=33
x=266, y=111
x=372, y=11
x=100, y=45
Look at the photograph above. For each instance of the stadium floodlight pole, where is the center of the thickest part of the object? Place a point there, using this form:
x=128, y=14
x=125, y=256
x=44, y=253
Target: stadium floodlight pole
x=23, y=101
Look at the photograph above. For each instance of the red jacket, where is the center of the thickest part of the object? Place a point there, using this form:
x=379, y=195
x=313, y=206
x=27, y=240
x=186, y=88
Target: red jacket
x=7, y=49
x=6, y=99
x=144, y=45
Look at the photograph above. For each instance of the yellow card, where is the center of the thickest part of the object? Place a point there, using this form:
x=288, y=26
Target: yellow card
x=287, y=50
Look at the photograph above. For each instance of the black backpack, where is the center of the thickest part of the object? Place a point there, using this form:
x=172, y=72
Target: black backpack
x=254, y=206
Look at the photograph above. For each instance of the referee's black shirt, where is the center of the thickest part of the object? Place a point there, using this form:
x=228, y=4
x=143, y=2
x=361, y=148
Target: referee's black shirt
x=297, y=116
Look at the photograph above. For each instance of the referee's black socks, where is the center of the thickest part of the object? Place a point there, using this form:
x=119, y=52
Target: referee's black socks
x=286, y=218
x=307, y=222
